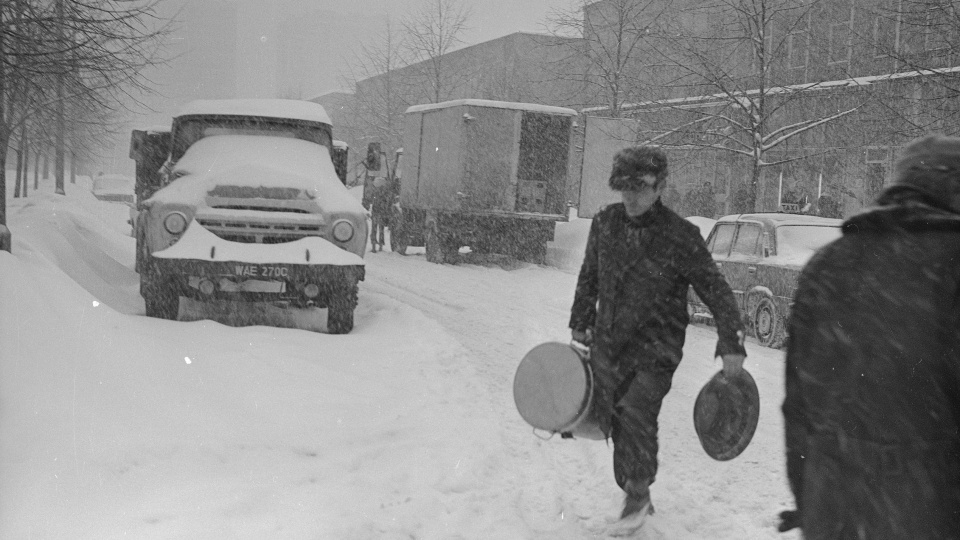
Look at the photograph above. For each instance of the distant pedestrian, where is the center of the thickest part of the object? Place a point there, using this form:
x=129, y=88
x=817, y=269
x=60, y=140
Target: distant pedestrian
x=631, y=306
x=872, y=408
x=379, y=201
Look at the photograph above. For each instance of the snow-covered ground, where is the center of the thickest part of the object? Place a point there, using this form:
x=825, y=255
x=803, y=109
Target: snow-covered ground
x=113, y=425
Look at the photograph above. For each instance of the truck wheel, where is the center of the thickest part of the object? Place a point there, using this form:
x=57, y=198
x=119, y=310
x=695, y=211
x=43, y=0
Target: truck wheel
x=432, y=241
x=398, y=241
x=768, y=324
x=159, y=298
x=533, y=252
x=340, y=312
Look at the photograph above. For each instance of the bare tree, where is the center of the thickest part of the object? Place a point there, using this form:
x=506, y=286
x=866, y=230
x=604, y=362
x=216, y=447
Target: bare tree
x=67, y=56
x=735, y=84
x=919, y=40
x=381, y=93
x=429, y=33
x=615, y=44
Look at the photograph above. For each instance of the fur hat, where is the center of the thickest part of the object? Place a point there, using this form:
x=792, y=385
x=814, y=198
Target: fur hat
x=929, y=166
x=631, y=164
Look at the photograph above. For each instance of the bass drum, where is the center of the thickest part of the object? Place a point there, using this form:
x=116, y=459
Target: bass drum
x=553, y=391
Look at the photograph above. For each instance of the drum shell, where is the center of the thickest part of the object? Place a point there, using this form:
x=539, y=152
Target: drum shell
x=553, y=391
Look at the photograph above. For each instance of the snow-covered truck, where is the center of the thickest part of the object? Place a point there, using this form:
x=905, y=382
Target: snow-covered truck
x=247, y=206
x=490, y=175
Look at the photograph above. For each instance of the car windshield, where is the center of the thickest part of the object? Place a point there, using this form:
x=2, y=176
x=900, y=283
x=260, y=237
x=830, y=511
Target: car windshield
x=797, y=243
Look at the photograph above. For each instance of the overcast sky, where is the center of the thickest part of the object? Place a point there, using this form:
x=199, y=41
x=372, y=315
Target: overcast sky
x=491, y=18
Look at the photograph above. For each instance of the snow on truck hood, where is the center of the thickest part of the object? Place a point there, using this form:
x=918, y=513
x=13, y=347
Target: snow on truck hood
x=300, y=169
x=200, y=244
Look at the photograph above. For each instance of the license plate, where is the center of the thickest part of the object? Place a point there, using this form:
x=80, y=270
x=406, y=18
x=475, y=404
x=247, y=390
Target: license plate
x=261, y=271
x=252, y=285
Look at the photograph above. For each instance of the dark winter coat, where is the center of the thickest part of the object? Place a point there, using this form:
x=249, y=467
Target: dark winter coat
x=872, y=404
x=634, y=282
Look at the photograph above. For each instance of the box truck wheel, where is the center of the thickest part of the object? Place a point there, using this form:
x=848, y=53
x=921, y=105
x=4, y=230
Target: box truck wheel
x=440, y=247
x=398, y=240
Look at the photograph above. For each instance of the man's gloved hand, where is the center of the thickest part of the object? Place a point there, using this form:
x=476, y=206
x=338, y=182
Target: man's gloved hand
x=582, y=336
x=789, y=520
x=732, y=363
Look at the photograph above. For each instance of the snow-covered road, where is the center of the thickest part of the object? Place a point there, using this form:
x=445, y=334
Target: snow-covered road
x=113, y=425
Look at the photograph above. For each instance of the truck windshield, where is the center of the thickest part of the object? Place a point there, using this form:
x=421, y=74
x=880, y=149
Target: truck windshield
x=191, y=130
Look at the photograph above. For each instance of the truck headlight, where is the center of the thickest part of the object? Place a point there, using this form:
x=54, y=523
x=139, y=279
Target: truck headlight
x=342, y=231
x=175, y=222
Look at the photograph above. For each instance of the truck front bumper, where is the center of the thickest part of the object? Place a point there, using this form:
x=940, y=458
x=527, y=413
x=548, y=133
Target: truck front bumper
x=307, y=272
x=298, y=285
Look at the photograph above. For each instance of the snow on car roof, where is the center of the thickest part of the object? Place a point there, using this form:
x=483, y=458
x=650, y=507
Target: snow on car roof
x=271, y=108
x=532, y=107
x=779, y=218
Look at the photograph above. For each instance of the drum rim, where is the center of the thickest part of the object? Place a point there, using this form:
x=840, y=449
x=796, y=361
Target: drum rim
x=583, y=409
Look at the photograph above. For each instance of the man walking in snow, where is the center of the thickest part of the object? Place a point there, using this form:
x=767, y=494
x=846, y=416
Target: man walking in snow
x=631, y=306
x=872, y=405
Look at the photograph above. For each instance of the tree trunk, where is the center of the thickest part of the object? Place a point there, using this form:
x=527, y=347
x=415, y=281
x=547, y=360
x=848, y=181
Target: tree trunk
x=61, y=116
x=36, y=170
x=754, y=187
x=26, y=165
x=20, y=178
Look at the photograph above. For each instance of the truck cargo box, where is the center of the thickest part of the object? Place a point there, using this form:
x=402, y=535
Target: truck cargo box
x=487, y=157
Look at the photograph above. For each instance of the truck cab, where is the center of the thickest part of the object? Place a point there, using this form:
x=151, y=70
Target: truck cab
x=247, y=205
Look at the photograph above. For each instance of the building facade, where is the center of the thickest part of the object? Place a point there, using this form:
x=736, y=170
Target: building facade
x=826, y=93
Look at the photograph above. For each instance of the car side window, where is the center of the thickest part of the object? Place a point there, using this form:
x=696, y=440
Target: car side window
x=722, y=238
x=747, y=240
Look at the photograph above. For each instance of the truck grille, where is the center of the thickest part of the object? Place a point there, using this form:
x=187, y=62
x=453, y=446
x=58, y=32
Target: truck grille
x=259, y=230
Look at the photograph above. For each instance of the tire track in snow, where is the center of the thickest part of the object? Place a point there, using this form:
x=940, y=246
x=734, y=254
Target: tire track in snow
x=560, y=488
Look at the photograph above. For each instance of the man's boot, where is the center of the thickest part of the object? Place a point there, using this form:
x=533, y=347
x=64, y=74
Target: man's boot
x=636, y=508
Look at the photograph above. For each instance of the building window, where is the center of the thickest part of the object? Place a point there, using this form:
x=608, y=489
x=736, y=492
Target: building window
x=768, y=53
x=884, y=30
x=940, y=20
x=839, y=43
x=841, y=31
x=924, y=26
x=878, y=170
x=798, y=40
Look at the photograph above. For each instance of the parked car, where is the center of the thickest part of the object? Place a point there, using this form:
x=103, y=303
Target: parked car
x=761, y=256
x=114, y=188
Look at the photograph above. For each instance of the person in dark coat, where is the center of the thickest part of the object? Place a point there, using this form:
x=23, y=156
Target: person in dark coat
x=631, y=307
x=872, y=406
x=379, y=197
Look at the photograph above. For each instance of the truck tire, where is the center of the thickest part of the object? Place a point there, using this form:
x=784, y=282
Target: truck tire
x=440, y=248
x=768, y=324
x=532, y=251
x=399, y=236
x=398, y=241
x=340, y=311
x=159, y=298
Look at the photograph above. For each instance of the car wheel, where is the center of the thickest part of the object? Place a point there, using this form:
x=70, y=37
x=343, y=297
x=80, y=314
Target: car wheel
x=340, y=312
x=768, y=324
